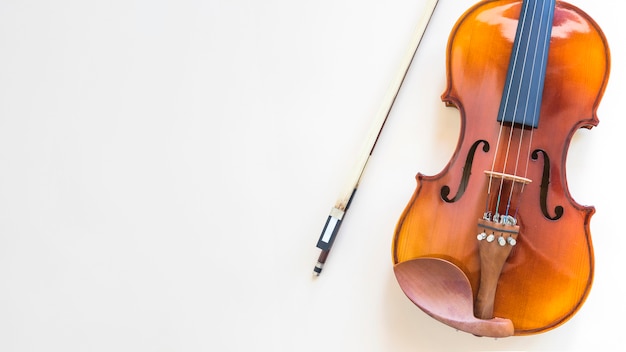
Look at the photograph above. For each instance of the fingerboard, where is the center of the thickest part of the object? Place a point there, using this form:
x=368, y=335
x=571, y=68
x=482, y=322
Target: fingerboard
x=521, y=98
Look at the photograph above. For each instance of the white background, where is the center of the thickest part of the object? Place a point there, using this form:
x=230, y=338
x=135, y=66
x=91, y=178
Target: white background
x=166, y=168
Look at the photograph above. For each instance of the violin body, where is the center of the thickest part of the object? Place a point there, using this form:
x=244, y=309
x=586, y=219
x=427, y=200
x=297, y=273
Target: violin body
x=549, y=271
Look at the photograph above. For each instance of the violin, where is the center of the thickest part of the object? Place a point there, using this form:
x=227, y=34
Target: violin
x=495, y=245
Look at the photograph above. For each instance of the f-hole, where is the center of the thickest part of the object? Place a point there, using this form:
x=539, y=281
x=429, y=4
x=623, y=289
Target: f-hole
x=545, y=182
x=467, y=171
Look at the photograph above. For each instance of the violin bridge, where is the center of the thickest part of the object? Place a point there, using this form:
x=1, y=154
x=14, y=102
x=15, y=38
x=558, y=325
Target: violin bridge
x=508, y=177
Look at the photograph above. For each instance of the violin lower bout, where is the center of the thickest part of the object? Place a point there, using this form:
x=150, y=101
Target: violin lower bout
x=545, y=278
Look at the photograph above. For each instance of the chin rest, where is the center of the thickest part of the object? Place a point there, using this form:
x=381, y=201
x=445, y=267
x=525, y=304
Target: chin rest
x=444, y=292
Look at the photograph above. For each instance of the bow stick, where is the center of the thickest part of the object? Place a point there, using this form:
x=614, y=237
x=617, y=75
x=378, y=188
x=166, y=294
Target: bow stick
x=337, y=213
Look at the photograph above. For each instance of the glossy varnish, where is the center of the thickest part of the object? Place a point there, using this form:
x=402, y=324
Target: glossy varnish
x=549, y=273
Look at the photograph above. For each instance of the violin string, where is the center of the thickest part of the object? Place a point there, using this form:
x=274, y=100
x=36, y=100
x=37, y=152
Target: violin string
x=544, y=49
x=506, y=103
x=526, y=106
x=517, y=104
